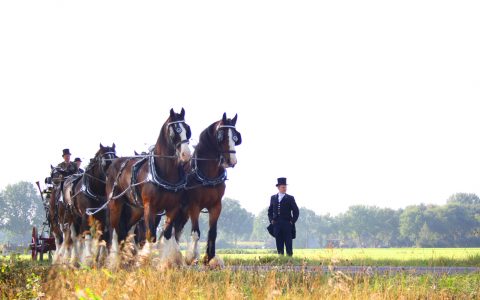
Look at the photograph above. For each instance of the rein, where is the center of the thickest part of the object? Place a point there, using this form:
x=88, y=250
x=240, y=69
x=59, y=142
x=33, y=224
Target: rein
x=85, y=188
x=96, y=178
x=147, y=155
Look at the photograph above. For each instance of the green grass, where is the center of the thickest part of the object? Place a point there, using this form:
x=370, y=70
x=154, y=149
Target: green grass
x=359, y=257
x=21, y=278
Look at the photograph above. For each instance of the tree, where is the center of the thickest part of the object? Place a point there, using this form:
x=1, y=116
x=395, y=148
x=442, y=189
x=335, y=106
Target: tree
x=259, y=232
x=427, y=238
x=21, y=210
x=460, y=223
x=411, y=222
x=361, y=225
x=308, y=229
x=235, y=222
x=463, y=198
x=387, y=224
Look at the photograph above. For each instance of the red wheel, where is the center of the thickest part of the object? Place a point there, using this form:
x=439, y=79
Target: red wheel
x=34, y=243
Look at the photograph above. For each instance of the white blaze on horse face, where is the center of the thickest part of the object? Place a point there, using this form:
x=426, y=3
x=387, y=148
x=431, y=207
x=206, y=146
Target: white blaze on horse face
x=231, y=147
x=184, y=150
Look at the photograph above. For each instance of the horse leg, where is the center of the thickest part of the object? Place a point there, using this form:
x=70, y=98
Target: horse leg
x=117, y=227
x=179, y=223
x=193, y=253
x=57, y=233
x=149, y=217
x=214, y=214
x=135, y=218
x=100, y=219
x=140, y=233
x=60, y=252
x=85, y=233
x=171, y=255
x=55, y=226
x=75, y=238
x=99, y=237
x=116, y=210
x=68, y=242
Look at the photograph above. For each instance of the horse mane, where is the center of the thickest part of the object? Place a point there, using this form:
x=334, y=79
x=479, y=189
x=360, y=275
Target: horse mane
x=162, y=137
x=92, y=162
x=207, y=139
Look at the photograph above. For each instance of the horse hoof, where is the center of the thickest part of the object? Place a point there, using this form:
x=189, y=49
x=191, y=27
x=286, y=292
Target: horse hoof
x=216, y=263
x=190, y=259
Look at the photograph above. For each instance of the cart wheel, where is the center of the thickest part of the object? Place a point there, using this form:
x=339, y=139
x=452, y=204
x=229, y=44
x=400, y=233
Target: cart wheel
x=34, y=243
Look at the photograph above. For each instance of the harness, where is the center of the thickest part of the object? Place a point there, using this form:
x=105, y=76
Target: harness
x=156, y=178
x=198, y=175
x=87, y=191
x=153, y=177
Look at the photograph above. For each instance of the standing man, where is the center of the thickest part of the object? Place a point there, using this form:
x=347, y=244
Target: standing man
x=78, y=162
x=282, y=214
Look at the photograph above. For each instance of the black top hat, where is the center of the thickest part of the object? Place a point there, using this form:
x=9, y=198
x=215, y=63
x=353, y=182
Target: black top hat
x=281, y=181
x=66, y=152
x=77, y=159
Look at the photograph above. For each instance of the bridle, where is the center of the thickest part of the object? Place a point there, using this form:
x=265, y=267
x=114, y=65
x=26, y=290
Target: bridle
x=102, y=160
x=220, y=138
x=177, y=129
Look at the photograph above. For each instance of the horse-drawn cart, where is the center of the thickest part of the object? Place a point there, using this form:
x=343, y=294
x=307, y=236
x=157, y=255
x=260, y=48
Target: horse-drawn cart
x=43, y=242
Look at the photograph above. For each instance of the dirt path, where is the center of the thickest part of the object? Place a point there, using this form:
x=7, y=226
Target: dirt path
x=363, y=269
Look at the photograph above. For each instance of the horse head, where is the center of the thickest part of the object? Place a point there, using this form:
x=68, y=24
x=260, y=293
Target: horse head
x=227, y=137
x=104, y=157
x=57, y=173
x=178, y=133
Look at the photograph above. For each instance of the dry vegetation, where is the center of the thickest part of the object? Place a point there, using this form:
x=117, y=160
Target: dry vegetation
x=24, y=279
x=148, y=283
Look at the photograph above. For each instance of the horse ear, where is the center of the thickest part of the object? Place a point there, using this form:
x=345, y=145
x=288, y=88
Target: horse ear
x=234, y=120
x=224, y=118
x=172, y=113
x=51, y=167
x=182, y=113
x=136, y=154
x=113, y=145
x=101, y=146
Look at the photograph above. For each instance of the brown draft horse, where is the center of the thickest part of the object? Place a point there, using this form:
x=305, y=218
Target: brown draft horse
x=85, y=194
x=214, y=153
x=146, y=186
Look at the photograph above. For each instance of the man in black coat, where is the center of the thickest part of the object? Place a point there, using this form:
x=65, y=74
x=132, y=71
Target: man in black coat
x=78, y=162
x=282, y=214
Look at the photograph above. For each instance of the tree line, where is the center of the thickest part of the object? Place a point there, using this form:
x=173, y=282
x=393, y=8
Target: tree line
x=454, y=224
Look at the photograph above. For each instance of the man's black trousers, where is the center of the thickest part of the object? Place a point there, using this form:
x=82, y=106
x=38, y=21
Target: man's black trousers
x=283, y=236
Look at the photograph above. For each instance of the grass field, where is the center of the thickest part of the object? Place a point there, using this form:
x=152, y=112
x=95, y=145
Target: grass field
x=23, y=279
x=359, y=257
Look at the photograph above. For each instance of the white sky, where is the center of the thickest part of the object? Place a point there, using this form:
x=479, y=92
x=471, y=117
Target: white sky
x=355, y=102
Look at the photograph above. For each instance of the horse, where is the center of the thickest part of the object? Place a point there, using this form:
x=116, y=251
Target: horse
x=144, y=187
x=214, y=153
x=59, y=215
x=86, y=192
